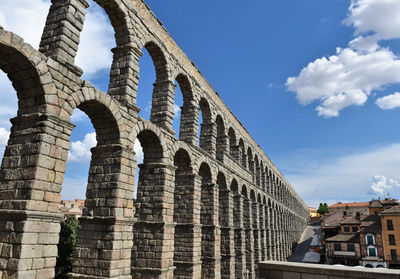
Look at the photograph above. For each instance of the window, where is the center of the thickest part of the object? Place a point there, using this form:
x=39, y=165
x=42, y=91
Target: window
x=344, y=213
x=372, y=251
x=358, y=214
x=355, y=229
x=393, y=254
x=392, y=241
x=351, y=248
x=338, y=247
x=346, y=229
x=370, y=239
x=389, y=225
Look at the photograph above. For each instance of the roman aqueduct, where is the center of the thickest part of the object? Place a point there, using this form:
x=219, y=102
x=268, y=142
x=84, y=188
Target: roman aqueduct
x=204, y=210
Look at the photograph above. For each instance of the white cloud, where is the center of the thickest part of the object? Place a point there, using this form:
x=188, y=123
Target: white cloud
x=97, y=40
x=25, y=17
x=177, y=111
x=381, y=17
x=382, y=185
x=4, y=135
x=389, y=102
x=348, y=77
x=139, y=151
x=80, y=150
x=345, y=79
x=340, y=175
x=79, y=116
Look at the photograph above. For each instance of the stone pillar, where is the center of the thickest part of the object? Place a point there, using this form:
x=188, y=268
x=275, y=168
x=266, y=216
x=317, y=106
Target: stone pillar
x=31, y=176
x=210, y=240
x=162, y=109
x=221, y=147
x=208, y=135
x=187, y=259
x=104, y=239
x=247, y=214
x=256, y=232
x=274, y=239
x=60, y=38
x=189, y=125
x=263, y=242
x=227, y=234
x=268, y=232
x=154, y=229
x=235, y=153
x=240, y=252
x=124, y=75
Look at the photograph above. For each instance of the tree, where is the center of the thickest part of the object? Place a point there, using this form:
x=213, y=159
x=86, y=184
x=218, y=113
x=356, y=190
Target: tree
x=65, y=246
x=323, y=208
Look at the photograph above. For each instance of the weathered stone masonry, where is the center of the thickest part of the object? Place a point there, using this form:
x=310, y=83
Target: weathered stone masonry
x=208, y=210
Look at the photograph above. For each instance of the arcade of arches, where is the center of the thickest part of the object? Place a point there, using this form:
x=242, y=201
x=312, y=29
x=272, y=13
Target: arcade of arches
x=210, y=204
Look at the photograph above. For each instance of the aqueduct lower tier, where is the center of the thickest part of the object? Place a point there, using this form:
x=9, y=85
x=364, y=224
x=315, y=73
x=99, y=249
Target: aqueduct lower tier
x=208, y=210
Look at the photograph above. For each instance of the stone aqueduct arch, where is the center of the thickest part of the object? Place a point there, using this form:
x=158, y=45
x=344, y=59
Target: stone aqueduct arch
x=208, y=210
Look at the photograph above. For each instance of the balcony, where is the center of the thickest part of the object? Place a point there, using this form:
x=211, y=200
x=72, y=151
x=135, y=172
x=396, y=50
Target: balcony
x=344, y=253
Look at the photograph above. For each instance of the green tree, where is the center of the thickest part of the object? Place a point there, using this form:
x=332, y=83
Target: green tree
x=323, y=208
x=65, y=246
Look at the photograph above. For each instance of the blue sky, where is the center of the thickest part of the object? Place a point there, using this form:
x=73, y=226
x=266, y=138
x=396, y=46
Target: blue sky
x=314, y=82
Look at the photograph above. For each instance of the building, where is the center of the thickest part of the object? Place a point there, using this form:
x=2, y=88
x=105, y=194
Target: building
x=350, y=209
x=356, y=236
x=390, y=219
x=344, y=248
x=74, y=207
x=371, y=243
x=313, y=212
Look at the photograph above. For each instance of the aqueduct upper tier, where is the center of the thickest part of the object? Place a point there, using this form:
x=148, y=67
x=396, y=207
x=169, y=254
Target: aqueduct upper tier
x=207, y=207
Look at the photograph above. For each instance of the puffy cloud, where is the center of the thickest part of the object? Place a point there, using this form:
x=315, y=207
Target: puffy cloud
x=389, y=102
x=382, y=185
x=27, y=18
x=348, y=77
x=381, y=17
x=4, y=135
x=80, y=150
x=79, y=116
x=97, y=40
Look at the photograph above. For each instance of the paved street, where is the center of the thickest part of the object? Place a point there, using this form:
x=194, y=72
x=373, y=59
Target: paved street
x=304, y=244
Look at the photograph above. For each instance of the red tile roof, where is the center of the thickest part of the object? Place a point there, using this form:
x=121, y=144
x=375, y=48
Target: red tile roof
x=352, y=204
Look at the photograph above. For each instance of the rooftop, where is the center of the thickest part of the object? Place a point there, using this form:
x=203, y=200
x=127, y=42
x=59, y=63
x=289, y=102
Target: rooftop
x=351, y=204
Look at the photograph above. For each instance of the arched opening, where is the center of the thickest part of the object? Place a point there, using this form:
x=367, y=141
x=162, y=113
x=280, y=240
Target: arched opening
x=208, y=220
x=102, y=184
x=153, y=228
x=257, y=171
x=145, y=87
x=186, y=217
x=242, y=154
x=96, y=40
x=186, y=111
x=221, y=138
x=206, y=139
x=8, y=110
x=233, y=148
x=250, y=160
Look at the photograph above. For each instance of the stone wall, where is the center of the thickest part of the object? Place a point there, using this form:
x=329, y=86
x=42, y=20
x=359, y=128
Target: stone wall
x=209, y=210
x=280, y=270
